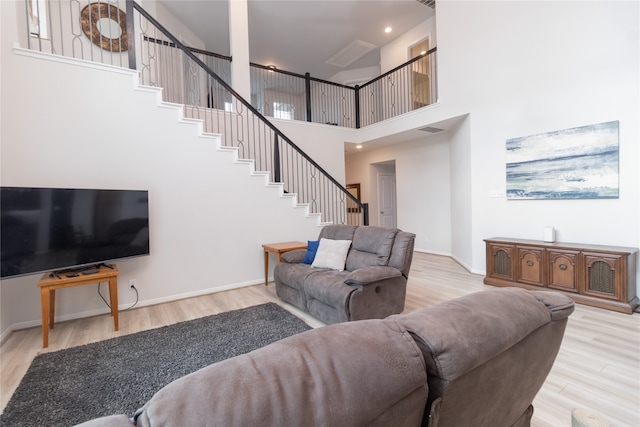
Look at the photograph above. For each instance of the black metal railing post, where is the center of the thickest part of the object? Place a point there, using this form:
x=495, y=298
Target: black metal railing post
x=131, y=35
x=307, y=94
x=276, y=159
x=365, y=213
x=357, y=105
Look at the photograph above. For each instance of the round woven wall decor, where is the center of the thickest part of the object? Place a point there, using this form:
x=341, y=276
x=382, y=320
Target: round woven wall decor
x=105, y=25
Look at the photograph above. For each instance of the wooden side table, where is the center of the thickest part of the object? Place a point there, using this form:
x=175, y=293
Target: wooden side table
x=278, y=249
x=50, y=282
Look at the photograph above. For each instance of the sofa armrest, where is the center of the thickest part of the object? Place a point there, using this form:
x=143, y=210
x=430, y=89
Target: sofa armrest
x=368, y=275
x=293, y=257
x=559, y=305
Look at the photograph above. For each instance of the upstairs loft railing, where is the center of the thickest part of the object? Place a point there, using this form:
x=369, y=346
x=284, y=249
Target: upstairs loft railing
x=407, y=87
x=283, y=94
x=136, y=40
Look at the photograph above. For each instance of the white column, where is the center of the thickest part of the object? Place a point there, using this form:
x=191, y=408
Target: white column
x=239, y=45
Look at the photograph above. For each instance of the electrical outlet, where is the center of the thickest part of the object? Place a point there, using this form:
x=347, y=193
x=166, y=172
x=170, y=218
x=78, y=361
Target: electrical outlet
x=132, y=283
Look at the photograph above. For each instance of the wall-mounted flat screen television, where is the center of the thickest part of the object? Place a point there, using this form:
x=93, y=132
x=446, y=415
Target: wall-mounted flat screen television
x=55, y=229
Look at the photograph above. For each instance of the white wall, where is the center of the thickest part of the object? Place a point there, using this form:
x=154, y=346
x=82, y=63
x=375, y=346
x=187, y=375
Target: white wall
x=461, y=179
x=323, y=143
x=171, y=23
x=423, y=196
x=549, y=66
x=520, y=68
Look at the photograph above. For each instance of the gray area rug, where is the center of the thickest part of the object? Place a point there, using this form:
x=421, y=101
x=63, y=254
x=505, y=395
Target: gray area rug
x=117, y=376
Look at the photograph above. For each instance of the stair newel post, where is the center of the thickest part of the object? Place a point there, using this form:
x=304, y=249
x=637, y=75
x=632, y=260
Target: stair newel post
x=131, y=35
x=356, y=103
x=365, y=213
x=307, y=94
x=276, y=159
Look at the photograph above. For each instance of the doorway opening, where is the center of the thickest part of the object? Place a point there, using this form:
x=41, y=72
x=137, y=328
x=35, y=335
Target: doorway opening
x=420, y=75
x=384, y=177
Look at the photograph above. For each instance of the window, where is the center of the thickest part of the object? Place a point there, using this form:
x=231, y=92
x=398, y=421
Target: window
x=282, y=111
x=38, y=18
x=228, y=107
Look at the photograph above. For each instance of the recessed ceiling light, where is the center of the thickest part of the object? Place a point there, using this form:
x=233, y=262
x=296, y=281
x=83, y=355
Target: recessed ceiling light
x=387, y=30
x=359, y=146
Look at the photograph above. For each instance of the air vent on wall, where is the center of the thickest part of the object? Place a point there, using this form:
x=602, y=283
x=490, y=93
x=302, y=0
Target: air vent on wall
x=430, y=129
x=354, y=51
x=430, y=3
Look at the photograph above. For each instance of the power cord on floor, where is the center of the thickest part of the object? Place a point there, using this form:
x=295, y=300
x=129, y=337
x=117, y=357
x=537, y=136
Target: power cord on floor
x=124, y=309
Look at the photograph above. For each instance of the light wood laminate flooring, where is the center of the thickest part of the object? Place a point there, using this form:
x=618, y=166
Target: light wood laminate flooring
x=598, y=366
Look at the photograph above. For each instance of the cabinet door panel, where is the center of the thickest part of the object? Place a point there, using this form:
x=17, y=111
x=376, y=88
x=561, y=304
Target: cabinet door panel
x=563, y=270
x=530, y=266
x=499, y=262
x=603, y=275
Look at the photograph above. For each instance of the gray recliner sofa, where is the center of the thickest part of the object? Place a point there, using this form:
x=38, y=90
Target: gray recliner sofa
x=372, y=285
x=478, y=360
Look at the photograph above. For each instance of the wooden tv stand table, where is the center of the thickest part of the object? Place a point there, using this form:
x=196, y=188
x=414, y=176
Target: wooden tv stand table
x=52, y=281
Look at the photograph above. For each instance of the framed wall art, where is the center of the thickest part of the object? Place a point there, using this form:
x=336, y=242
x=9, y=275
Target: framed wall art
x=576, y=163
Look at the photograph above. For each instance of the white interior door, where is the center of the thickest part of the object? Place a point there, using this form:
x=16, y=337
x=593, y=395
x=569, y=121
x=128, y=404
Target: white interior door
x=387, y=199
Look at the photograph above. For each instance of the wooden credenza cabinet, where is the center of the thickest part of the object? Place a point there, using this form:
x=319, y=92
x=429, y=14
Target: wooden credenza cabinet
x=600, y=276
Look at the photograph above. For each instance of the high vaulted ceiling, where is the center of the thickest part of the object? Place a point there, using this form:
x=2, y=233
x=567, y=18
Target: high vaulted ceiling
x=302, y=35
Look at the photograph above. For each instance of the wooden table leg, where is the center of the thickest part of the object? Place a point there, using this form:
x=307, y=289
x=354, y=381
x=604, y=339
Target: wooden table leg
x=113, y=300
x=266, y=267
x=52, y=308
x=44, y=303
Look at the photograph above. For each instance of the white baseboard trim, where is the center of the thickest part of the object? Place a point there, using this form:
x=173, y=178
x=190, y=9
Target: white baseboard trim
x=17, y=49
x=456, y=259
x=425, y=251
x=186, y=295
x=97, y=312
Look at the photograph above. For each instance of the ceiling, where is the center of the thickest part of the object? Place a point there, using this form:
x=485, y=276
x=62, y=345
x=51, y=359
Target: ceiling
x=302, y=35
x=423, y=134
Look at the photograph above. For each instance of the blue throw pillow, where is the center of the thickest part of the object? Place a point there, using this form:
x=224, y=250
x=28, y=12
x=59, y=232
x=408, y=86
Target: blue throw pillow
x=312, y=248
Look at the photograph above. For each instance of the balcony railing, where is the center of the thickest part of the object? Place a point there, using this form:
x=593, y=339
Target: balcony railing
x=306, y=98
x=407, y=87
x=283, y=94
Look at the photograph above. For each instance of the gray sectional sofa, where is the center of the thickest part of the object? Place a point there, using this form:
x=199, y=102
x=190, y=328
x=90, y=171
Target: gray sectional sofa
x=372, y=285
x=475, y=361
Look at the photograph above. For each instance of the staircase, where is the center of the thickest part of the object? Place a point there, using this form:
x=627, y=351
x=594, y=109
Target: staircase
x=223, y=111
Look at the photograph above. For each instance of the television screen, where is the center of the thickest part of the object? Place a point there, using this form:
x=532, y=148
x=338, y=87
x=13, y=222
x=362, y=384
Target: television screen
x=47, y=229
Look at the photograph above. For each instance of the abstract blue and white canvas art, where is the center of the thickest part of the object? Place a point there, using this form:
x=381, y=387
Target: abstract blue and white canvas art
x=577, y=163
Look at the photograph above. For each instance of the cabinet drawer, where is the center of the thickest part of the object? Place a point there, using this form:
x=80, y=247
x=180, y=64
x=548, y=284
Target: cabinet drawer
x=563, y=270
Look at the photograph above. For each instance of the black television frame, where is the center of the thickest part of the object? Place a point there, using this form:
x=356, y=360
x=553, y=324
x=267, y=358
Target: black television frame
x=86, y=228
